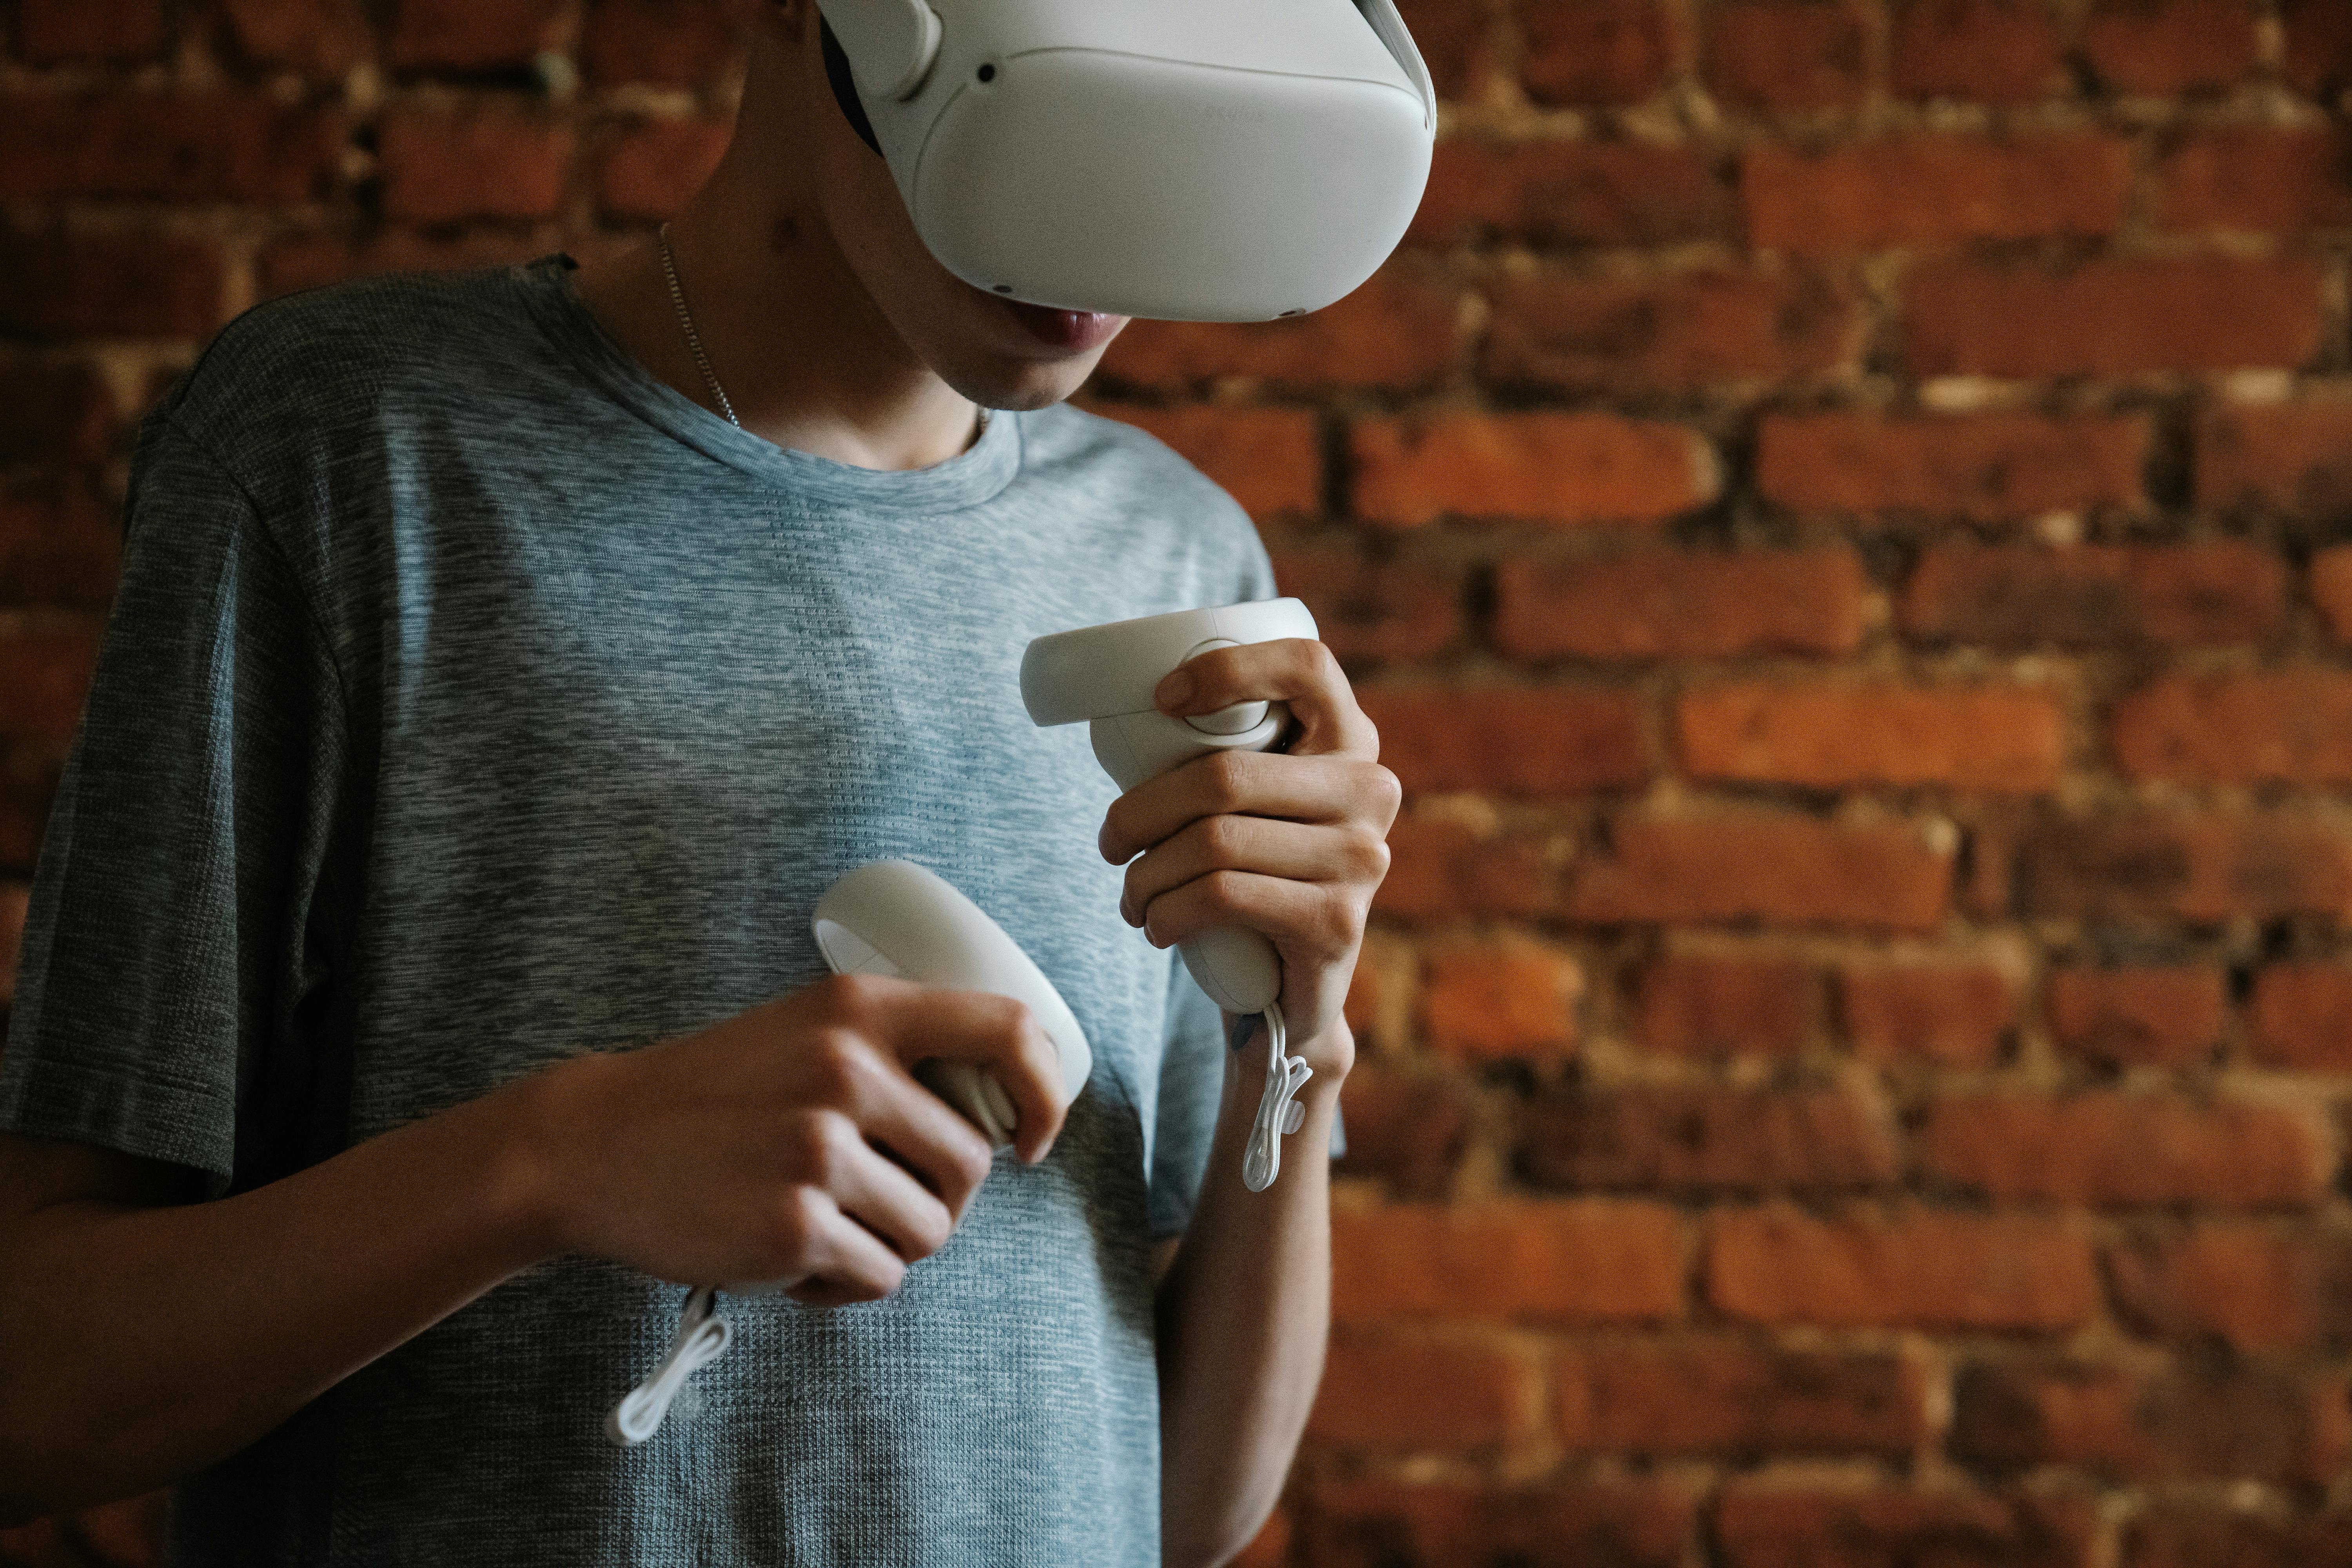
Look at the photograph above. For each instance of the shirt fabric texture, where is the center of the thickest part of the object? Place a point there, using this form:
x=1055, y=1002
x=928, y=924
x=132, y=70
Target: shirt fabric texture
x=472, y=701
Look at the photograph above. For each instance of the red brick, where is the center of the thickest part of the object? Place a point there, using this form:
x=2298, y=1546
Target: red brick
x=2109, y=1148
x=1667, y=604
x=1271, y=1547
x=57, y=411
x=2256, y=1287
x=1684, y=330
x=1682, y=1138
x=1515, y=1000
x=466, y=34
x=2112, y=317
x=1411, y=1391
x=1722, y=1396
x=1950, y=1013
x=1785, y=53
x=1580, y=1260
x=651, y=170
x=1779, y=1265
x=2096, y=596
x=1836, y=736
x=2291, y=457
x=1369, y=608
x=1582, y=52
x=306, y=263
x=2140, y=1017
x=1765, y=1523
x=180, y=147
x=1510, y=741
x=1992, y=467
x=1268, y=460
x=1554, y=467
x=1398, y=1524
x=44, y=679
x=2301, y=1017
x=1409, y=1130
x=58, y=547
x=1934, y=191
x=1978, y=51
x=1788, y=868
x=318, y=38
x=1397, y=331
x=1451, y=35
x=1572, y=194
x=30, y=768
x=669, y=43
x=2204, y=868
x=1701, y=1003
x=2245, y=1421
x=49, y=31
x=492, y=162
x=112, y=286
x=2258, y=178
x=2318, y=47
x=2331, y=589
x=2212, y=1535
x=15, y=898
x=2283, y=726
x=2160, y=47
x=1438, y=867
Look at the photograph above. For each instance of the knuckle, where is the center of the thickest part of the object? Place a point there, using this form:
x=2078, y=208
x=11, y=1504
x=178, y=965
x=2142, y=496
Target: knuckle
x=1336, y=922
x=1386, y=790
x=837, y=1059
x=1225, y=776
x=1224, y=892
x=1367, y=855
x=793, y=1226
x=1225, y=837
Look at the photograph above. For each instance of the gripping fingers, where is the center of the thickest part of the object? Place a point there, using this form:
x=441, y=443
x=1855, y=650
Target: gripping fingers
x=1301, y=917
x=843, y=1261
x=994, y=1033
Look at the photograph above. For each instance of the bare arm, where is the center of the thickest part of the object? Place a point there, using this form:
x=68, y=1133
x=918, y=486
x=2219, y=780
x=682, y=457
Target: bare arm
x=1245, y=1310
x=1291, y=846
x=141, y=1339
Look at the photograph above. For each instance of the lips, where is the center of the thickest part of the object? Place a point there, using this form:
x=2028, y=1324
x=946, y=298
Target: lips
x=1073, y=330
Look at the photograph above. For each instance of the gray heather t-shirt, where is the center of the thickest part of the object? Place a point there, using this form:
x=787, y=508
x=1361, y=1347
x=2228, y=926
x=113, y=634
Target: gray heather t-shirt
x=472, y=701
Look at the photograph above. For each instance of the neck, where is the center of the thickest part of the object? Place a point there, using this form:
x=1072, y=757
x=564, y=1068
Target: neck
x=807, y=358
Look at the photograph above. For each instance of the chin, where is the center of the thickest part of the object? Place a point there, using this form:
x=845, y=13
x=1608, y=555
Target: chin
x=1018, y=384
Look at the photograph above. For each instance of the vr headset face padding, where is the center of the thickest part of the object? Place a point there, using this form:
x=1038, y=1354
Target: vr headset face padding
x=1208, y=160
x=844, y=86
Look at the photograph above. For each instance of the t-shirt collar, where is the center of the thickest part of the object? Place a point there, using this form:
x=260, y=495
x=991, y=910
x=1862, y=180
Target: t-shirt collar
x=973, y=476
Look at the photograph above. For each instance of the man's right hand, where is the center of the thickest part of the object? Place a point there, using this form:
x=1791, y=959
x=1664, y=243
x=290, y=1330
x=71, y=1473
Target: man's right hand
x=790, y=1145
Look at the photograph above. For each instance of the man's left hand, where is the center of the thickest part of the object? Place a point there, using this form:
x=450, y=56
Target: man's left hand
x=1291, y=844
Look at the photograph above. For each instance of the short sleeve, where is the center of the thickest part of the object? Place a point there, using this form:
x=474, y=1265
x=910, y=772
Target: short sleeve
x=1192, y=1080
x=171, y=955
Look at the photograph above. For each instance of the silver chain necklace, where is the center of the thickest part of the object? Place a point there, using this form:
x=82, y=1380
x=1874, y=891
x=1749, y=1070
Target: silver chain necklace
x=694, y=339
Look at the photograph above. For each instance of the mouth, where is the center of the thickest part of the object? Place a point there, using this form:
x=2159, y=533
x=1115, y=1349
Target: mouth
x=1074, y=332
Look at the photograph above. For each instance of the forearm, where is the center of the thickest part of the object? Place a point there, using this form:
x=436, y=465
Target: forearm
x=1244, y=1316
x=139, y=1343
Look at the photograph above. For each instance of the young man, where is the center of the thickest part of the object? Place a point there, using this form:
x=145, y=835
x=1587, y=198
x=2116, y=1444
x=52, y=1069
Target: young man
x=420, y=974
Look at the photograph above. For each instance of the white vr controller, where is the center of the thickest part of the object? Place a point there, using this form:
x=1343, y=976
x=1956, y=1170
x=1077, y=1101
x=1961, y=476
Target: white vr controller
x=1105, y=677
x=896, y=918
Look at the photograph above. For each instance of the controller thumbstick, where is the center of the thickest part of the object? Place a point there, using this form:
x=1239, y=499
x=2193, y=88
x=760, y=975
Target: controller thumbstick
x=1237, y=719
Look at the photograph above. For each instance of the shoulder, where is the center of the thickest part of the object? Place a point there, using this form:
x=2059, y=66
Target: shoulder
x=338, y=357
x=1129, y=467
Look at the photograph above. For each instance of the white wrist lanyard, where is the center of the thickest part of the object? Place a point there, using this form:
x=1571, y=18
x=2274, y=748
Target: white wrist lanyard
x=703, y=1336
x=1279, y=1110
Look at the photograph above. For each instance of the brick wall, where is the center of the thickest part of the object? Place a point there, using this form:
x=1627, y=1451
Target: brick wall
x=1843, y=512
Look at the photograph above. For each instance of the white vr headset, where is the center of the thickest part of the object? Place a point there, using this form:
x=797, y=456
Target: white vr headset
x=1189, y=160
